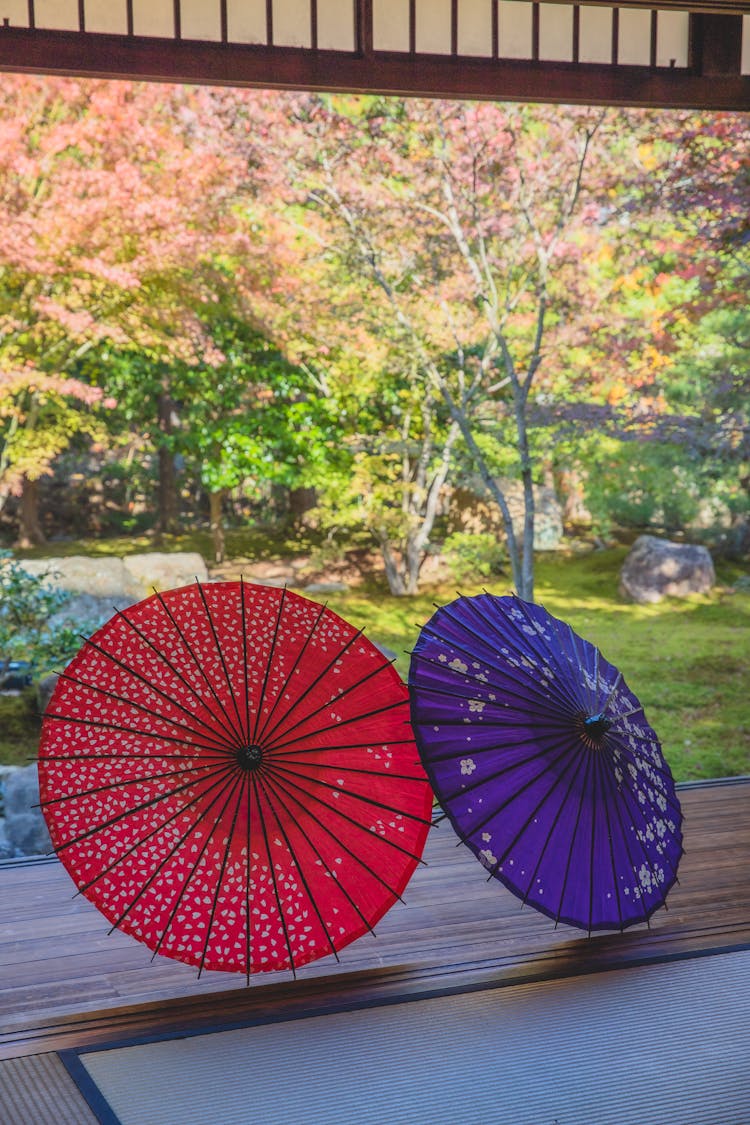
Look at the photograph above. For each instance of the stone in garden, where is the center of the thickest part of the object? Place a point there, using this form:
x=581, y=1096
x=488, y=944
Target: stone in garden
x=24, y=826
x=27, y=833
x=325, y=588
x=45, y=690
x=87, y=612
x=473, y=510
x=658, y=568
x=7, y=851
x=164, y=571
x=81, y=574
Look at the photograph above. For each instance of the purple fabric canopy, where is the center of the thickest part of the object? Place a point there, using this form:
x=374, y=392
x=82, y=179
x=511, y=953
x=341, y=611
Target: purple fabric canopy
x=543, y=761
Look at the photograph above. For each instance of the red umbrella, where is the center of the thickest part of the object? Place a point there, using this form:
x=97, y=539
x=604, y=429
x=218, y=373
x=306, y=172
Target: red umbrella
x=228, y=773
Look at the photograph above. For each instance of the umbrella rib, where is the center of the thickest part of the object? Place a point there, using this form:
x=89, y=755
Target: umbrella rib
x=595, y=770
x=248, y=880
x=386, y=774
x=611, y=692
x=269, y=734
x=128, y=812
x=127, y=757
x=350, y=820
x=154, y=832
x=552, y=828
x=266, y=787
x=532, y=740
x=269, y=662
x=627, y=714
x=630, y=854
x=279, y=791
x=175, y=671
x=350, y=793
x=262, y=732
x=572, y=765
x=614, y=735
x=100, y=724
x=635, y=805
x=145, y=681
x=220, y=651
x=476, y=827
x=244, y=666
x=343, y=723
x=121, y=784
x=272, y=871
x=222, y=869
x=207, y=733
x=532, y=684
x=542, y=655
x=163, y=863
x=572, y=842
x=596, y=678
x=467, y=724
x=191, y=872
x=337, y=698
x=482, y=686
x=197, y=663
x=340, y=746
x=578, y=663
x=605, y=802
x=479, y=782
x=531, y=639
x=663, y=772
x=284, y=785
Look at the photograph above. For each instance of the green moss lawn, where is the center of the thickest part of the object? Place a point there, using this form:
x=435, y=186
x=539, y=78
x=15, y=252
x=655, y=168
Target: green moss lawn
x=688, y=661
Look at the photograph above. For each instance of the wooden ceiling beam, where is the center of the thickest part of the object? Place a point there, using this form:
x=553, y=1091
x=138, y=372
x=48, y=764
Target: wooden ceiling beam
x=712, y=81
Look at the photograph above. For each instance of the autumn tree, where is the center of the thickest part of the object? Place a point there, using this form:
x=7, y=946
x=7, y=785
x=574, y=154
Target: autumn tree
x=114, y=200
x=464, y=227
x=40, y=415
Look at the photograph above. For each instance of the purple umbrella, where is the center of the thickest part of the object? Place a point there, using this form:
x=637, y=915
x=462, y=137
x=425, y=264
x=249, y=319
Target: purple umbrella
x=543, y=761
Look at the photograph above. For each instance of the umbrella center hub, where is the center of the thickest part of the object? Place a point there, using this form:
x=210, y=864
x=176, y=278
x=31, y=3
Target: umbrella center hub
x=596, y=726
x=250, y=757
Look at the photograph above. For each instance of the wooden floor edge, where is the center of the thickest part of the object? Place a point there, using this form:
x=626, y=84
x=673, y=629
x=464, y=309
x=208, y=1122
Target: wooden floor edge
x=325, y=995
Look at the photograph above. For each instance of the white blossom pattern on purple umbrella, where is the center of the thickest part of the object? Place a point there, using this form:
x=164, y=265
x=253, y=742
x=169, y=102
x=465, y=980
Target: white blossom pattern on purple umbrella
x=543, y=761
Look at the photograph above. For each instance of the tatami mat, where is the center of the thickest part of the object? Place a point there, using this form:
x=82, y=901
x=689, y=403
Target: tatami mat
x=665, y=1044
x=39, y=1091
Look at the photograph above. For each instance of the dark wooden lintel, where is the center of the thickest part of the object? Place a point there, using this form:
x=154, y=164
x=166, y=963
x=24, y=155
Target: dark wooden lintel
x=718, y=44
x=708, y=85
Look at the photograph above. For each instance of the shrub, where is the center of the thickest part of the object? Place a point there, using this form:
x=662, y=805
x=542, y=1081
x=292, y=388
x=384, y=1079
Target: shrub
x=474, y=555
x=27, y=602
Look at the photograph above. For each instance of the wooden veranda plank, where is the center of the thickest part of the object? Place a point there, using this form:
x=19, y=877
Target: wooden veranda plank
x=64, y=982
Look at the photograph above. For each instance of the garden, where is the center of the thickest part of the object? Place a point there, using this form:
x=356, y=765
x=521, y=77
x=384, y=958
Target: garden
x=388, y=351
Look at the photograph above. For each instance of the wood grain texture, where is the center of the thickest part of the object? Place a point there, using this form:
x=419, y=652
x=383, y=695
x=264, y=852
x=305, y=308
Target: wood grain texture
x=703, y=85
x=64, y=982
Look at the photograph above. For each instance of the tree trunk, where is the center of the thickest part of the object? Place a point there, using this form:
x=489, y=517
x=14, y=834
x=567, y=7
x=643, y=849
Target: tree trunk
x=215, y=500
x=30, y=532
x=168, y=499
x=392, y=571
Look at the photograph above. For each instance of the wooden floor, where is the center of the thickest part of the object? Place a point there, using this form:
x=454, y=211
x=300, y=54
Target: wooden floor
x=64, y=982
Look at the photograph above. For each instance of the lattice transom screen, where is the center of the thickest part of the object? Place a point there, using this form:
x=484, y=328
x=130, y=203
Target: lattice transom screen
x=500, y=29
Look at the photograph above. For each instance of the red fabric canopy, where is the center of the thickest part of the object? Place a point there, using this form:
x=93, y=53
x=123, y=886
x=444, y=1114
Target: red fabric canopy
x=229, y=774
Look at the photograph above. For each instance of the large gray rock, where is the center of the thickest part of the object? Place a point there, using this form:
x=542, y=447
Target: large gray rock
x=45, y=689
x=87, y=612
x=473, y=510
x=102, y=581
x=25, y=829
x=658, y=568
x=164, y=571
x=7, y=851
x=81, y=574
x=326, y=588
